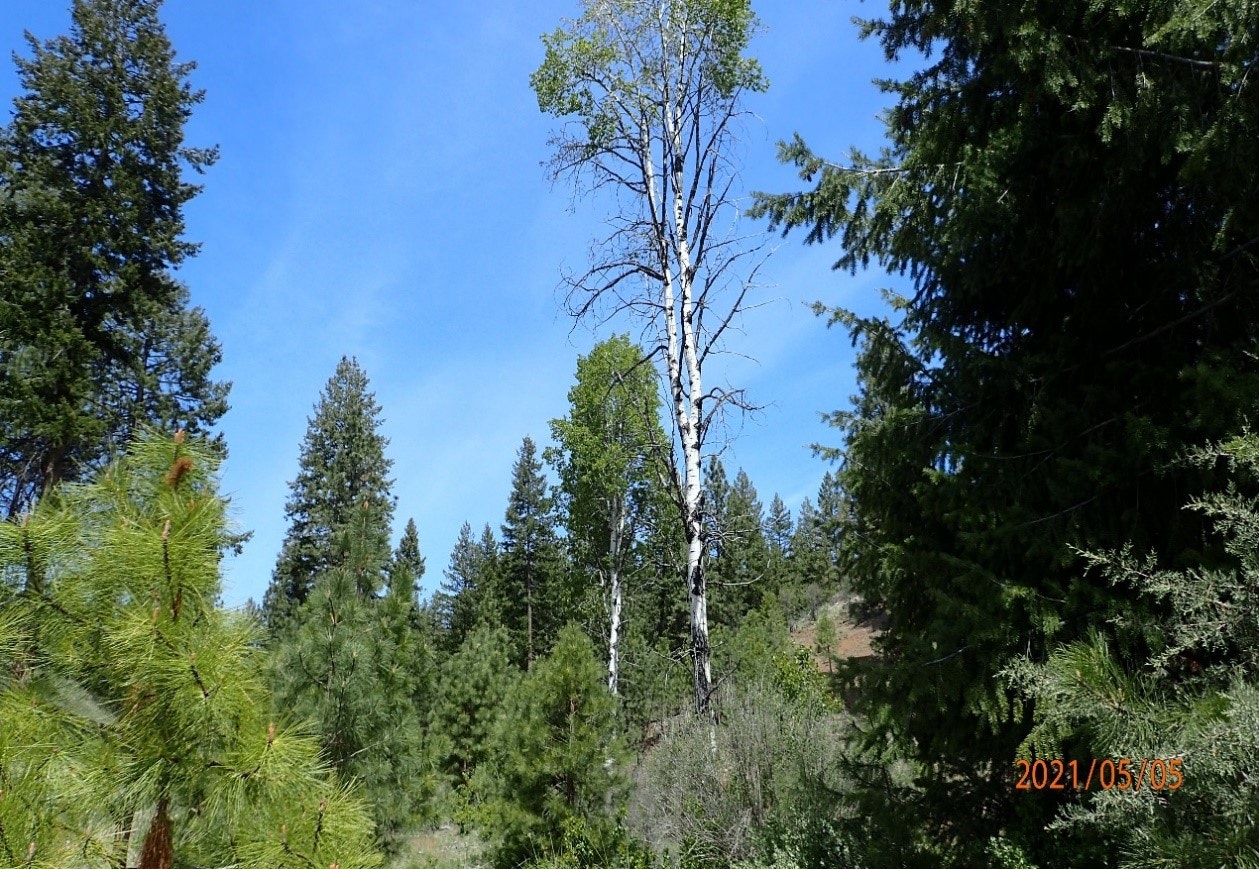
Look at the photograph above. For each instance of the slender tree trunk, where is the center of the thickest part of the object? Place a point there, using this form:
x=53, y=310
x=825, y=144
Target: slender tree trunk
x=614, y=628
x=159, y=848
x=529, y=615
x=689, y=400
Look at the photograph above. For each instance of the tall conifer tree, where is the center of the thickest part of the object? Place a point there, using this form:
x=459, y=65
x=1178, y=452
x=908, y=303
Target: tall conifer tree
x=96, y=336
x=342, y=469
x=467, y=591
x=342, y=607
x=1071, y=189
x=534, y=599
x=740, y=554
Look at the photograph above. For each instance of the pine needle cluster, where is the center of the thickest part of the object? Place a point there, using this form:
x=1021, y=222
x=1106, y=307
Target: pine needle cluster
x=137, y=723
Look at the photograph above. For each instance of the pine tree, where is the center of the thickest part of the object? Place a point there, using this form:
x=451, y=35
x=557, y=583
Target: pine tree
x=408, y=638
x=779, y=530
x=741, y=556
x=96, y=336
x=473, y=684
x=532, y=581
x=778, y=526
x=554, y=759
x=137, y=721
x=353, y=665
x=342, y=470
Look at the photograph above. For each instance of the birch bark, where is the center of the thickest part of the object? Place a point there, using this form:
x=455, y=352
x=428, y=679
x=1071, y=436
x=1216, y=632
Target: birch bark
x=650, y=90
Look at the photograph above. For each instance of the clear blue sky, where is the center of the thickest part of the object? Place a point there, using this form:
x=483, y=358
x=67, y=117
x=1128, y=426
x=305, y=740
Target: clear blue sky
x=379, y=195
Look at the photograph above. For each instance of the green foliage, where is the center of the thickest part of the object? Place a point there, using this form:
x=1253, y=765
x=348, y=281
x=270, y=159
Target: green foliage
x=648, y=94
x=824, y=641
x=606, y=451
x=740, y=560
x=467, y=594
x=96, y=336
x=554, y=770
x=1070, y=189
x=770, y=786
x=347, y=658
x=748, y=652
x=588, y=73
x=342, y=470
x=1195, y=698
x=534, y=597
x=353, y=666
x=810, y=574
x=609, y=462
x=473, y=685
x=135, y=711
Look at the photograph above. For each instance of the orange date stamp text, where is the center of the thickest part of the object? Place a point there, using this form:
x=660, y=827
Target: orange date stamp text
x=1123, y=774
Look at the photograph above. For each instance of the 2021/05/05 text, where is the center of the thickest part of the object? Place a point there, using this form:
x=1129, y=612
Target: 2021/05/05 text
x=1123, y=774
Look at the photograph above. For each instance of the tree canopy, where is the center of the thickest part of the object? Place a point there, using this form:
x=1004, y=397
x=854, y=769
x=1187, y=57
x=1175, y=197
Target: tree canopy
x=1070, y=190
x=96, y=335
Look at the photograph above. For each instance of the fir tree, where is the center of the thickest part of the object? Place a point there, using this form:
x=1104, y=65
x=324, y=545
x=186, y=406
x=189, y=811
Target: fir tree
x=1070, y=190
x=466, y=593
x=407, y=560
x=342, y=607
x=96, y=336
x=342, y=470
x=535, y=602
x=137, y=722
x=1186, y=716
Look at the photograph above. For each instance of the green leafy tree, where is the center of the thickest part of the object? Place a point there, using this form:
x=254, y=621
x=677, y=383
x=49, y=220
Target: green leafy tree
x=96, y=336
x=554, y=759
x=1071, y=191
x=607, y=459
x=342, y=469
x=138, y=728
x=534, y=596
x=650, y=94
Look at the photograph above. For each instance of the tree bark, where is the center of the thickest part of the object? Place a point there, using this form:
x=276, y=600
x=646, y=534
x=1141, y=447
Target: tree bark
x=159, y=848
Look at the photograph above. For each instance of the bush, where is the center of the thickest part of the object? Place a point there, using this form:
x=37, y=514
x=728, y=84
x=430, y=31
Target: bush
x=765, y=789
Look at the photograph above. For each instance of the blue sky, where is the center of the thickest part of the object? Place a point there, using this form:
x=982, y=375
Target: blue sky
x=380, y=195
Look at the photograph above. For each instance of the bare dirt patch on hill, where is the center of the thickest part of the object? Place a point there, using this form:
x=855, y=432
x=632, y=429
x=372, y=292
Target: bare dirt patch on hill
x=854, y=637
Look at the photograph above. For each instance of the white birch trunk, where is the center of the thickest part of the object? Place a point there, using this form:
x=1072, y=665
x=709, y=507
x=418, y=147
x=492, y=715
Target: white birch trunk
x=620, y=518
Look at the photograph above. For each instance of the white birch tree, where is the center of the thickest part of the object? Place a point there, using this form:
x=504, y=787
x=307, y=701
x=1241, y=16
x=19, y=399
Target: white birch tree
x=650, y=92
x=608, y=481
